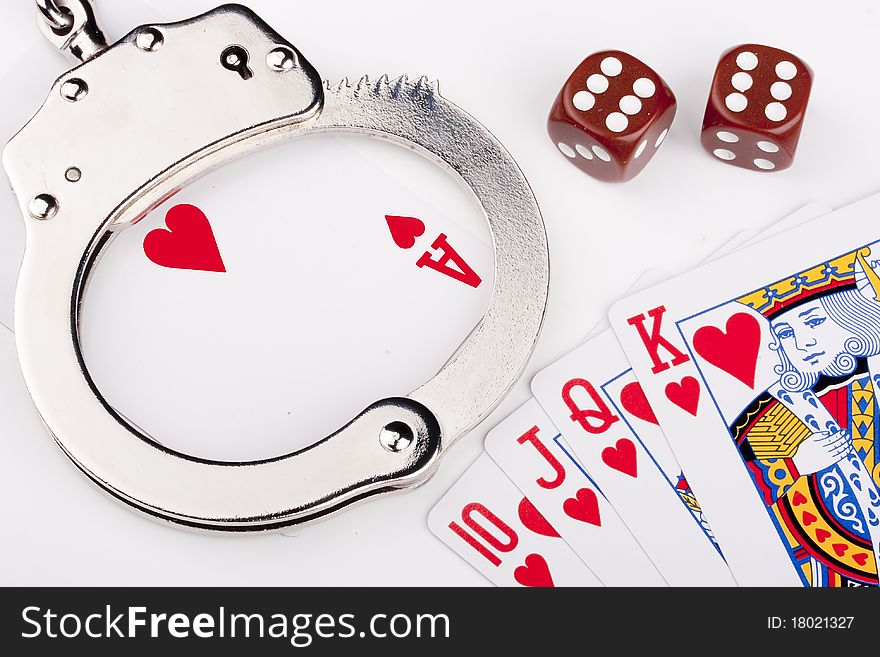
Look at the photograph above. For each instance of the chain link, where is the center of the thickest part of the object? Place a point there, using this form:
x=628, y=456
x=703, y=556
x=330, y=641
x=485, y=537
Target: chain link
x=58, y=19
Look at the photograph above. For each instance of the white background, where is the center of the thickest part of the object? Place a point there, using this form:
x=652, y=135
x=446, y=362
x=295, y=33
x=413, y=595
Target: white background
x=504, y=63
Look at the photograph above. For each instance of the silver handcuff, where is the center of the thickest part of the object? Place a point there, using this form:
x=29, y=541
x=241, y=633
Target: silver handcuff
x=136, y=121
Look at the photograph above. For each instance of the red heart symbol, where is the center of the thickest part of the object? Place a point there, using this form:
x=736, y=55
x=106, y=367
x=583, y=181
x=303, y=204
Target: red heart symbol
x=622, y=457
x=534, y=572
x=822, y=535
x=685, y=394
x=188, y=243
x=798, y=498
x=634, y=401
x=405, y=230
x=861, y=558
x=584, y=506
x=808, y=518
x=840, y=548
x=532, y=519
x=735, y=350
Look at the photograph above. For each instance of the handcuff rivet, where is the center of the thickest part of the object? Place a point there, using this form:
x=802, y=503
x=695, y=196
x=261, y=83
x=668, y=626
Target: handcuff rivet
x=43, y=206
x=73, y=174
x=396, y=436
x=281, y=59
x=74, y=89
x=149, y=39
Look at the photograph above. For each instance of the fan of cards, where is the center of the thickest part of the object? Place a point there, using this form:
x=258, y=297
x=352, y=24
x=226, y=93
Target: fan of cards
x=723, y=431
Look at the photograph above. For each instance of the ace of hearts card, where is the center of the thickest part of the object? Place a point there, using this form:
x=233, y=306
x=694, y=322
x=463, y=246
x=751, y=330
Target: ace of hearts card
x=234, y=334
x=762, y=369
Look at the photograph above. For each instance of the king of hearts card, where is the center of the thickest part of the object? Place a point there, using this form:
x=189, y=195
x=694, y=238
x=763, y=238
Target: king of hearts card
x=762, y=369
x=809, y=438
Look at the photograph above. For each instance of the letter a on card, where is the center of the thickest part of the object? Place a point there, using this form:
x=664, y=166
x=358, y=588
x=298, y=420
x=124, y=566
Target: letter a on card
x=458, y=270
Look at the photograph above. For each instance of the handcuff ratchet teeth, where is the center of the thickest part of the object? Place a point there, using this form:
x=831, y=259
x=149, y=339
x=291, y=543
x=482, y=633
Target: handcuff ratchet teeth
x=135, y=122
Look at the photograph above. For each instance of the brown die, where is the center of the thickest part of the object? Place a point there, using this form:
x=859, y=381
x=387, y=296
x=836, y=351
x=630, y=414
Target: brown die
x=611, y=115
x=756, y=107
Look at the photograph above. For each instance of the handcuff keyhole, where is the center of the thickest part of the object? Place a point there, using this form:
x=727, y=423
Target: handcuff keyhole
x=236, y=58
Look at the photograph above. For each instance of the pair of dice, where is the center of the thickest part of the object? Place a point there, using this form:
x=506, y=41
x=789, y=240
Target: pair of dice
x=614, y=111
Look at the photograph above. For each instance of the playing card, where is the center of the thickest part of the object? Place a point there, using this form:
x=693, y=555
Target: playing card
x=262, y=308
x=235, y=329
x=491, y=525
x=614, y=456
x=760, y=369
x=527, y=446
x=643, y=425
x=802, y=215
x=740, y=240
x=636, y=411
x=628, y=401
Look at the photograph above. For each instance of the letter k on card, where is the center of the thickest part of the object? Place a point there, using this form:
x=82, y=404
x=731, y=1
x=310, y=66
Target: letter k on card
x=658, y=345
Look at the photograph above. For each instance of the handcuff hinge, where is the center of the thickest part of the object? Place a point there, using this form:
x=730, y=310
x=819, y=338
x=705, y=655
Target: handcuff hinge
x=71, y=26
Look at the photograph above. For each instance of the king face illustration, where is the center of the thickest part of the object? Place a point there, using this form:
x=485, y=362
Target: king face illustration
x=810, y=440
